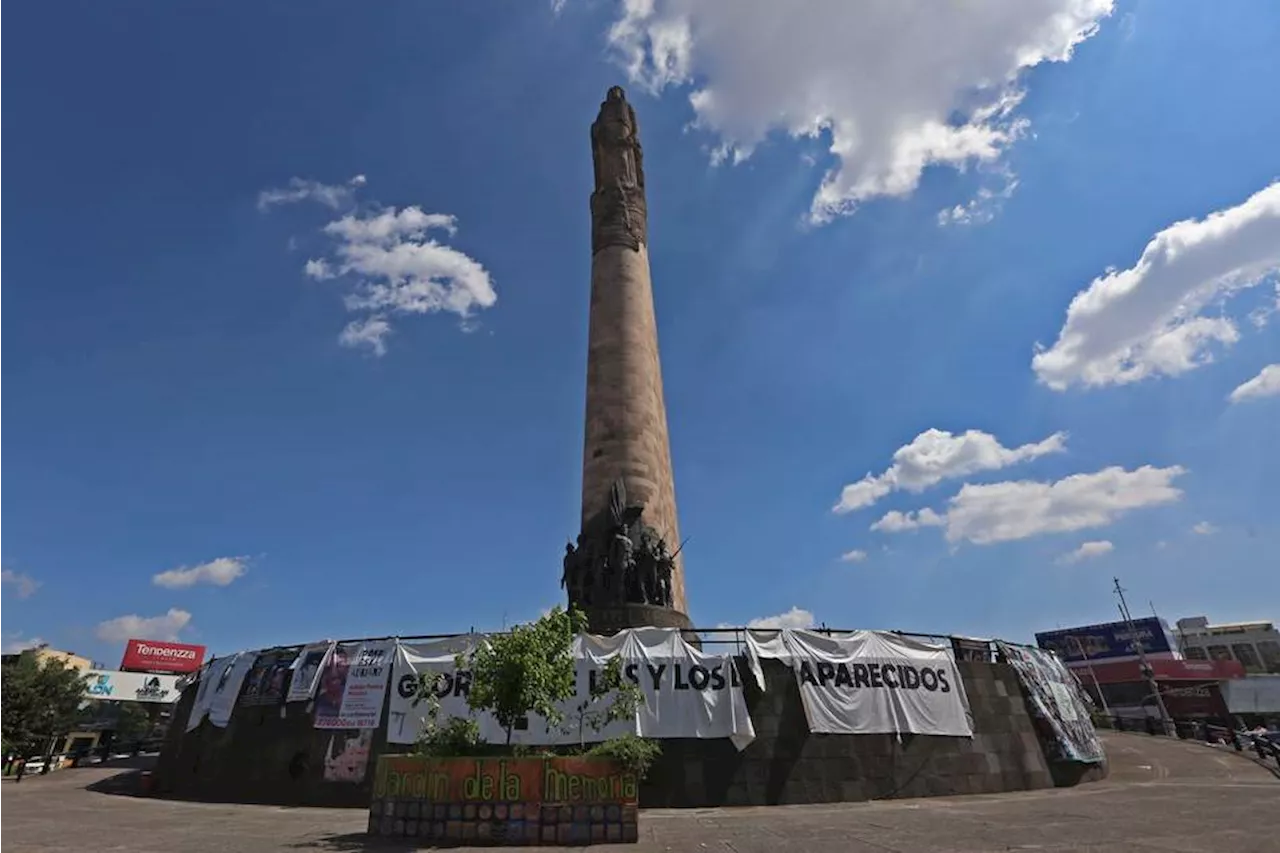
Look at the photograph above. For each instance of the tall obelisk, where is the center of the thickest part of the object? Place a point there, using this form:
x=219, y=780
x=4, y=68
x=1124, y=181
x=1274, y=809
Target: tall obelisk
x=628, y=491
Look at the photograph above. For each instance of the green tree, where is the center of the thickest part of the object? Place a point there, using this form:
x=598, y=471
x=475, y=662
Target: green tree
x=593, y=712
x=528, y=670
x=41, y=700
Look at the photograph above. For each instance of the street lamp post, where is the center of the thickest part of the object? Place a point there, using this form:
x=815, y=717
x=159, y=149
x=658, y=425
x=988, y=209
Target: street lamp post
x=1098, y=686
x=1147, y=672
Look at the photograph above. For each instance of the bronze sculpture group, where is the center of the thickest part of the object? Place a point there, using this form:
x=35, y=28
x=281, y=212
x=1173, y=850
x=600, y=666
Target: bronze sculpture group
x=619, y=559
x=631, y=566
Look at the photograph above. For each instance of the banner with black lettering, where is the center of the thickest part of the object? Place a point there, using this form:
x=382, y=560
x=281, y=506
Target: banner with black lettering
x=1058, y=701
x=687, y=694
x=869, y=682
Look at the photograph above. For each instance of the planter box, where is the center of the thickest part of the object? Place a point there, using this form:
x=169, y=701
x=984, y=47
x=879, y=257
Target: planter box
x=503, y=801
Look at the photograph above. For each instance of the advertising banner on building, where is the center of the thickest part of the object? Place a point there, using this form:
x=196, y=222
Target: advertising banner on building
x=161, y=657
x=353, y=685
x=268, y=679
x=130, y=686
x=687, y=694
x=1057, y=701
x=307, y=667
x=869, y=682
x=1109, y=640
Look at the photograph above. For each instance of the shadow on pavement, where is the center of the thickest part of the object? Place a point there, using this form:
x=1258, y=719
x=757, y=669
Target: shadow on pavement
x=352, y=842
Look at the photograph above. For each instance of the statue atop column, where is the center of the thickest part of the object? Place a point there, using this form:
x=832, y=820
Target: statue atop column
x=619, y=214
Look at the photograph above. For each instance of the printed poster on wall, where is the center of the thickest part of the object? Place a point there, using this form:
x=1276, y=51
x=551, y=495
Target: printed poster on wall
x=1057, y=701
x=225, y=691
x=687, y=694
x=214, y=672
x=346, y=758
x=307, y=667
x=353, y=685
x=869, y=682
x=268, y=679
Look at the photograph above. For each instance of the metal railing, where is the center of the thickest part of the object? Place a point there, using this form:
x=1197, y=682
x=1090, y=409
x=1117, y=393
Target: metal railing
x=966, y=648
x=1266, y=746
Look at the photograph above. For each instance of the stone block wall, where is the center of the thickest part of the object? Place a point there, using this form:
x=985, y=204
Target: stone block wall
x=264, y=757
x=789, y=764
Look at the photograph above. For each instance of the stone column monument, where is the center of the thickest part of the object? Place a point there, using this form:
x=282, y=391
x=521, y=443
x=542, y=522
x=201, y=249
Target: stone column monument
x=625, y=569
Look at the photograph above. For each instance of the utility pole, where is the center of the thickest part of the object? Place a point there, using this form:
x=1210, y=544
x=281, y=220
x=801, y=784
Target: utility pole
x=1147, y=672
x=1089, y=664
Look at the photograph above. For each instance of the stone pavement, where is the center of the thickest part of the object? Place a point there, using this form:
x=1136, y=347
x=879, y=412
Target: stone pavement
x=1162, y=795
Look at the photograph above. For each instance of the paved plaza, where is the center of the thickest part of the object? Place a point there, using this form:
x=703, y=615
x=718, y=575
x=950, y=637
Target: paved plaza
x=1162, y=795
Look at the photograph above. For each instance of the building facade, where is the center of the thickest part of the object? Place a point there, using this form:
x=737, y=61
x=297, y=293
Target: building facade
x=45, y=653
x=1254, y=645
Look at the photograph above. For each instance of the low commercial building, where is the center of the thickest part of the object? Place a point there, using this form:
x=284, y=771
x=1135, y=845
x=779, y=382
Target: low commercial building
x=1254, y=645
x=1190, y=690
x=45, y=653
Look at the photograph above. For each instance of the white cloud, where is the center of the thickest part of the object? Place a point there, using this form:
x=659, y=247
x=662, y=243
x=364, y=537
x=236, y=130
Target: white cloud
x=1087, y=551
x=899, y=85
x=397, y=267
x=1001, y=512
x=1204, y=528
x=304, y=189
x=793, y=618
x=936, y=455
x=1265, y=384
x=368, y=332
x=1149, y=320
x=164, y=627
x=897, y=522
x=18, y=644
x=982, y=208
x=24, y=586
x=401, y=271
x=854, y=556
x=218, y=572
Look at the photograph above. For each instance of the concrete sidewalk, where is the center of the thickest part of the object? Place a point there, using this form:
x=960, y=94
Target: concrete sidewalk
x=1162, y=795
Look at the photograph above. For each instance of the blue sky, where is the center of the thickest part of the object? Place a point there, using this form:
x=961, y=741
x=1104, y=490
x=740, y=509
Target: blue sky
x=862, y=224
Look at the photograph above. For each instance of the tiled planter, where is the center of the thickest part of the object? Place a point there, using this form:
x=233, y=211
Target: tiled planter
x=503, y=801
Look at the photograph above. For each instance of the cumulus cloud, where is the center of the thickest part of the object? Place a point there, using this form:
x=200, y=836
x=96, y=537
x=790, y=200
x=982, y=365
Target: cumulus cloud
x=1087, y=551
x=793, y=618
x=854, y=556
x=1001, y=512
x=895, y=521
x=1151, y=319
x=218, y=572
x=401, y=270
x=305, y=189
x=396, y=261
x=898, y=86
x=1204, y=528
x=24, y=586
x=1265, y=384
x=936, y=455
x=164, y=627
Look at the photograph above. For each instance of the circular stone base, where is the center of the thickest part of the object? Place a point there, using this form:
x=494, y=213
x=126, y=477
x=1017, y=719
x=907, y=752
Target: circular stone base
x=612, y=619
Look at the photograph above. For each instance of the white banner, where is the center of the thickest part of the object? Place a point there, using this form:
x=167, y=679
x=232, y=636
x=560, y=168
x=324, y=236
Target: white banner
x=307, y=667
x=223, y=695
x=687, y=694
x=353, y=685
x=869, y=682
x=216, y=672
x=130, y=686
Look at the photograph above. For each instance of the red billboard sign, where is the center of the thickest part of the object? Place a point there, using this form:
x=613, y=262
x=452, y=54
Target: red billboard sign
x=158, y=656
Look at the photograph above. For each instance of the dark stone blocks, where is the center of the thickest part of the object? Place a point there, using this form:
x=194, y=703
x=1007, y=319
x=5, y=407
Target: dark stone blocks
x=265, y=757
